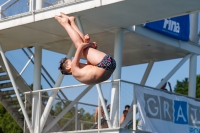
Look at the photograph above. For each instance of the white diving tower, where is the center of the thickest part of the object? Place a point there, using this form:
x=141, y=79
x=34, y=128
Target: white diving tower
x=117, y=27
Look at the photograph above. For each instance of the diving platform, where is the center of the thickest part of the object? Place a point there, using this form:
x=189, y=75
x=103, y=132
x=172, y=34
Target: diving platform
x=118, y=28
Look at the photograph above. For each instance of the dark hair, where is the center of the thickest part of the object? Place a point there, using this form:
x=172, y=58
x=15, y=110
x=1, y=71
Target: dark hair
x=125, y=111
x=127, y=106
x=62, y=67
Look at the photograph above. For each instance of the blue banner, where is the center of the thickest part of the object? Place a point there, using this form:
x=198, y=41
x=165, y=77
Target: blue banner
x=178, y=27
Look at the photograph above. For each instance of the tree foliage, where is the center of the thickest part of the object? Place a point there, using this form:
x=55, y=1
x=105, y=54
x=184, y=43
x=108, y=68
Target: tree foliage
x=7, y=123
x=182, y=86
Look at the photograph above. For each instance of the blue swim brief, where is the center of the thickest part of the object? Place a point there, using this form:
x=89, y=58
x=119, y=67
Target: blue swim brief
x=108, y=63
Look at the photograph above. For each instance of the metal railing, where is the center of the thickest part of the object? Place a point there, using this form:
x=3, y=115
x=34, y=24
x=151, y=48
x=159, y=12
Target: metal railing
x=15, y=7
x=126, y=96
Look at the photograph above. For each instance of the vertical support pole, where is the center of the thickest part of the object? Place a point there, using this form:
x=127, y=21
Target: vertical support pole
x=16, y=90
x=118, y=47
x=36, y=84
x=99, y=112
x=147, y=72
x=194, y=18
x=103, y=105
x=55, y=92
x=194, y=27
x=192, y=76
x=39, y=113
x=76, y=117
x=134, y=108
x=39, y=4
x=31, y=5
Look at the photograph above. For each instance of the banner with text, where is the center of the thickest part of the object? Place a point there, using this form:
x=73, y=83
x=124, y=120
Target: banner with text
x=161, y=112
x=177, y=27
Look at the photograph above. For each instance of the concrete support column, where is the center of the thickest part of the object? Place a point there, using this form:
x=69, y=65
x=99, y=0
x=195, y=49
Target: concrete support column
x=118, y=47
x=36, y=84
x=192, y=76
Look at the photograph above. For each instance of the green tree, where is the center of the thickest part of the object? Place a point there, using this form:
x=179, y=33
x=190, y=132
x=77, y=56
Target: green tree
x=7, y=123
x=182, y=87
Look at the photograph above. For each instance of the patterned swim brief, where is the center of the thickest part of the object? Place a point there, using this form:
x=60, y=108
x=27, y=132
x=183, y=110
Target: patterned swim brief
x=107, y=63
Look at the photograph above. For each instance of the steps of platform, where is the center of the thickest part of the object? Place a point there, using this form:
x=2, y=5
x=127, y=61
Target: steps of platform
x=5, y=85
x=1, y=70
x=17, y=112
x=16, y=106
x=4, y=77
x=8, y=96
x=8, y=92
x=11, y=99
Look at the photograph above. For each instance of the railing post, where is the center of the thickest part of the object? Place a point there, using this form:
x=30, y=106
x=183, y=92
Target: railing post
x=134, y=108
x=99, y=114
x=76, y=117
x=82, y=126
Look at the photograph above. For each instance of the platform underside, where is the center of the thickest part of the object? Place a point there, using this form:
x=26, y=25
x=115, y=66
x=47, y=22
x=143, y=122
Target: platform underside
x=100, y=20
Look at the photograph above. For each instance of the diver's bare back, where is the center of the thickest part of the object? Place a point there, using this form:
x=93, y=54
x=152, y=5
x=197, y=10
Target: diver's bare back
x=90, y=74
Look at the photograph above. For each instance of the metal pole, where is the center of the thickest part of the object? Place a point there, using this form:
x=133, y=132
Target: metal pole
x=16, y=90
x=147, y=72
x=76, y=117
x=134, y=108
x=26, y=65
x=173, y=71
x=66, y=109
x=54, y=93
x=99, y=112
x=192, y=76
x=194, y=21
x=104, y=105
x=82, y=126
x=39, y=113
x=39, y=4
x=118, y=47
x=31, y=5
x=36, y=84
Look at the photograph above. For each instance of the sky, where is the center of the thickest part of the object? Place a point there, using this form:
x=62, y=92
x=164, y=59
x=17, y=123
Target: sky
x=130, y=73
